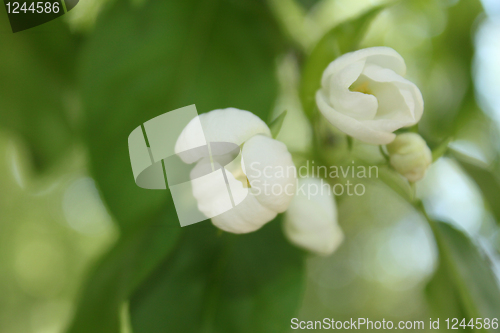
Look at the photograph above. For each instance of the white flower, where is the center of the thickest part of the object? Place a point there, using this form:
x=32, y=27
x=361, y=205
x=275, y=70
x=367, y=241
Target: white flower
x=410, y=156
x=364, y=94
x=251, y=182
x=311, y=220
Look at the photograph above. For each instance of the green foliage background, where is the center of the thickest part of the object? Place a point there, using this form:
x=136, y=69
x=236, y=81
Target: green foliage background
x=73, y=89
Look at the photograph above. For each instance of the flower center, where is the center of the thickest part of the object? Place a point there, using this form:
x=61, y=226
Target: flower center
x=239, y=175
x=362, y=87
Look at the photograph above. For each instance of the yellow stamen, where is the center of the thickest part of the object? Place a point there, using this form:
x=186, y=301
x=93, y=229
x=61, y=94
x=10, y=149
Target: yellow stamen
x=362, y=88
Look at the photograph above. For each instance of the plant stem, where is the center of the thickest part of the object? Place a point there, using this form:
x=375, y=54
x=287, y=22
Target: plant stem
x=384, y=154
x=350, y=143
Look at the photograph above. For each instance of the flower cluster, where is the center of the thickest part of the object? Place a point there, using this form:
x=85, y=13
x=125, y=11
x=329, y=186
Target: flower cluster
x=363, y=94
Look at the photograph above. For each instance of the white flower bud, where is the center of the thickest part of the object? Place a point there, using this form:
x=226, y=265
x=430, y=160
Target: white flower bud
x=410, y=156
x=364, y=95
x=261, y=187
x=311, y=220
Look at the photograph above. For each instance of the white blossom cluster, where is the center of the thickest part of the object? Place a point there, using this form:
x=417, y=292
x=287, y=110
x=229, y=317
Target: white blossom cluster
x=364, y=94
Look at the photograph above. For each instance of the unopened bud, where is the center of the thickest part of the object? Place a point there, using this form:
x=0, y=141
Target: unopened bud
x=410, y=156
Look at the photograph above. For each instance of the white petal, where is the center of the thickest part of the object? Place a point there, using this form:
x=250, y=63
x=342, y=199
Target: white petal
x=248, y=216
x=311, y=219
x=351, y=103
x=214, y=201
x=358, y=129
x=410, y=93
x=380, y=55
x=270, y=172
x=224, y=125
x=210, y=191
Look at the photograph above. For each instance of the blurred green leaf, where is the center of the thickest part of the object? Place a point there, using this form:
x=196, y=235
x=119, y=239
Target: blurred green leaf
x=276, y=124
x=339, y=40
x=486, y=180
x=227, y=283
x=443, y=297
x=308, y=4
x=465, y=269
x=38, y=81
x=143, y=61
x=120, y=271
x=449, y=109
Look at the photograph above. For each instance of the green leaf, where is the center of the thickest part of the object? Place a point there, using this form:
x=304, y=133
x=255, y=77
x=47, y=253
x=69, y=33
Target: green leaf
x=37, y=89
x=228, y=283
x=443, y=298
x=141, y=62
x=276, y=124
x=465, y=269
x=308, y=4
x=121, y=270
x=487, y=181
x=452, y=56
x=339, y=40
